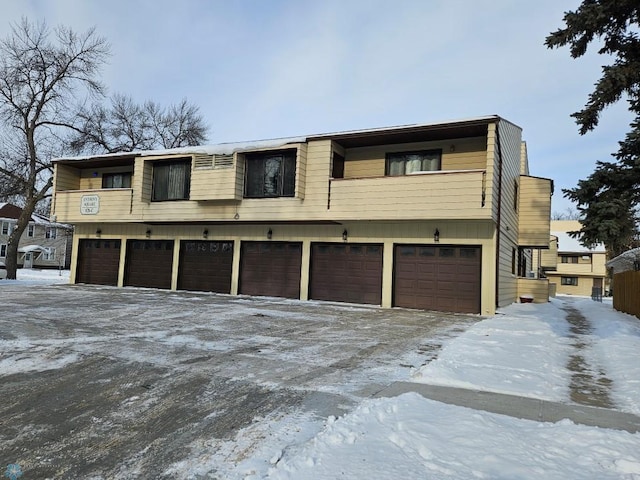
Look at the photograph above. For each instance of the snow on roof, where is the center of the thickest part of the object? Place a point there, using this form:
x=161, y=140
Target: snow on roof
x=229, y=148
x=33, y=248
x=625, y=261
x=566, y=243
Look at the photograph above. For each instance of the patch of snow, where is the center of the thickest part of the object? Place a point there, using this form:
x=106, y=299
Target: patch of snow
x=521, y=351
x=412, y=437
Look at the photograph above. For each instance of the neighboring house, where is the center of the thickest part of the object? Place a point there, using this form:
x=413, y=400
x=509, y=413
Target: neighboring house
x=43, y=244
x=573, y=268
x=429, y=216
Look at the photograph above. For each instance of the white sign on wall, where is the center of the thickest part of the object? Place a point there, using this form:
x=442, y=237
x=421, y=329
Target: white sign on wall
x=89, y=204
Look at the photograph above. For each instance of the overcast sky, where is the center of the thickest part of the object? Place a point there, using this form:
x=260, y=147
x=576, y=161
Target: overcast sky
x=277, y=68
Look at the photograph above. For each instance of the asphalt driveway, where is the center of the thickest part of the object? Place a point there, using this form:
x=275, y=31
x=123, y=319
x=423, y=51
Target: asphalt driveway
x=137, y=383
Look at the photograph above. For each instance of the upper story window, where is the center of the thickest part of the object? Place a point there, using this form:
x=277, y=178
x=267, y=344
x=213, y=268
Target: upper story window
x=6, y=228
x=406, y=163
x=270, y=175
x=116, y=180
x=31, y=230
x=569, y=259
x=3, y=250
x=171, y=180
x=51, y=232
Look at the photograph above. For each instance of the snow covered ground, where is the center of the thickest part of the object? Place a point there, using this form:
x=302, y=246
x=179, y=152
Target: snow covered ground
x=525, y=350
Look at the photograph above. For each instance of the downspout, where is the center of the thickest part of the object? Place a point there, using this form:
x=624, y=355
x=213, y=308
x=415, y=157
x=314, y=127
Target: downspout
x=499, y=214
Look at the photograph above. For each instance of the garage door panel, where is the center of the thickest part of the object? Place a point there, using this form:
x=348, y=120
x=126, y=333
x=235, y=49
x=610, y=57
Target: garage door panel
x=98, y=262
x=149, y=263
x=205, y=265
x=270, y=268
x=445, y=278
x=346, y=273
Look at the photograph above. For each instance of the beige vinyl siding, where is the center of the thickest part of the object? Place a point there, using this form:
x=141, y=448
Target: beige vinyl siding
x=437, y=195
x=214, y=184
x=549, y=257
x=65, y=178
x=538, y=288
x=524, y=159
x=468, y=232
x=510, y=151
x=584, y=287
x=115, y=205
x=535, y=211
x=457, y=154
x=91, y=178
x=301, y=170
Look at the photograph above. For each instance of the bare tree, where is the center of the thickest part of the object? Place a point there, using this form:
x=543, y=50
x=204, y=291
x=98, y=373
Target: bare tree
x=43, y=77
x=125, y=126
x=569, y=214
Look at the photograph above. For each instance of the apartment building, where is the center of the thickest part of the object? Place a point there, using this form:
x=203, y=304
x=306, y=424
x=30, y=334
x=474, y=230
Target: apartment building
x=430, y=216
x=573, y=268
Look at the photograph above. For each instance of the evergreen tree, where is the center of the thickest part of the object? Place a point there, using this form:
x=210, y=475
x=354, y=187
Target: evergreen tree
x=608, y=199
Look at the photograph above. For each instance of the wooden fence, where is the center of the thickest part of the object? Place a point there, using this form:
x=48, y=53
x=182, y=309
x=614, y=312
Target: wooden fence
x=626, y=292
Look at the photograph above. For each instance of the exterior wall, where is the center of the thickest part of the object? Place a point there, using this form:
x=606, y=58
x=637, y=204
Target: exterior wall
x=451, y=233
x=585, y=284
x=503, y=197
x=457, y=154
x=536, y=288
x=549, y=258
x=534, y=206
x=432, y=195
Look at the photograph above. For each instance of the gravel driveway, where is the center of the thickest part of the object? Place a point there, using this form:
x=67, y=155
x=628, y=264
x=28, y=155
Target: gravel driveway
x=101, y=382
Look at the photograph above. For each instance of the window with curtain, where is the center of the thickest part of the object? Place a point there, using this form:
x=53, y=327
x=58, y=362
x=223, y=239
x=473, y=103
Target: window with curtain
x=270, y=175
x=116, y=180
x=406, y=163
x=171, y=180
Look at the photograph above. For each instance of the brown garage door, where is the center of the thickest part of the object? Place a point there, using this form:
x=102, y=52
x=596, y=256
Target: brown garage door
x=444, y=278
x=98, y=262
x=205, y=266
x=149, y=263
x=346, y=272
x=271, y=268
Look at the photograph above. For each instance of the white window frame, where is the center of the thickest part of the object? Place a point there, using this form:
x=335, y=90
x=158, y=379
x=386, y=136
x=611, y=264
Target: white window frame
x=6, y=228
x=3, y=250
x=51, y=232
x=31, y=230
x=49, y=254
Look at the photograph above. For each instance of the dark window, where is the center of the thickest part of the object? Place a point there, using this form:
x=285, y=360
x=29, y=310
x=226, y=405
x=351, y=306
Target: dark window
x=270, y=175
x=447, y=252
x=374, y=249
x=427, y=251
x=31, y=230
x=171, y=180
x=513, y=260
x=569, y=259
x=569, y=281
x=3, y=250
x=515, y=195
x=408, y=251
x=116, y=180
x=468, y=252
x=338, y=166
x=51, y=232
x=406, y=163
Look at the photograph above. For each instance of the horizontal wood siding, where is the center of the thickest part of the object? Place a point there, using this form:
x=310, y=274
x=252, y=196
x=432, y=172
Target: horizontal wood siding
x=457, y=154
x=115, y=205
x=538, y=288
x=214, y=184
x=535, y=211
x=66, y=178
x=91, y=178
x=431, y=195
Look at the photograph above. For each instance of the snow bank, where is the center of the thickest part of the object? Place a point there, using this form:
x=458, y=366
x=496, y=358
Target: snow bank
x=411, y=437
